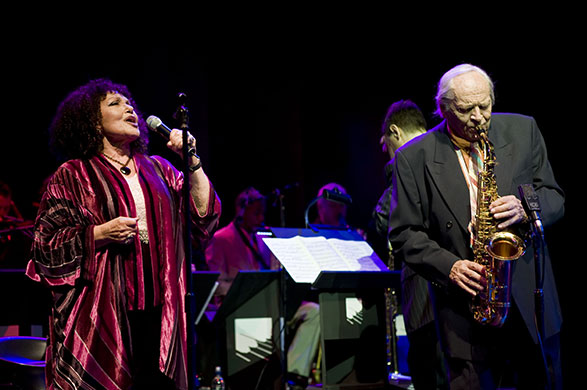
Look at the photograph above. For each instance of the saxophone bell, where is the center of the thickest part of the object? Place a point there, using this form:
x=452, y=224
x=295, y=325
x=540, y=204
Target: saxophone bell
x=505, y=246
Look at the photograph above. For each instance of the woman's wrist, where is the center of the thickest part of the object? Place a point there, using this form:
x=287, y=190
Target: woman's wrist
x=195, y=164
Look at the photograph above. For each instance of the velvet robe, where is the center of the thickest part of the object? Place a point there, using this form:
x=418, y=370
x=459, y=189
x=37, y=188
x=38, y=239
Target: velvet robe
x=93, y=289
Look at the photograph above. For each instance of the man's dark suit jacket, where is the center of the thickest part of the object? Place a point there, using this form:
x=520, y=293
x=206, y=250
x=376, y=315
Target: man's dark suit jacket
x=416, y=304
x=431, y=212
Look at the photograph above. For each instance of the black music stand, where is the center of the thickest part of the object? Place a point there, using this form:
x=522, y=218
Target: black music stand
x=352, y=318
x=344, y=234
x=205, y=283
x=249, y=327
x=352, y=325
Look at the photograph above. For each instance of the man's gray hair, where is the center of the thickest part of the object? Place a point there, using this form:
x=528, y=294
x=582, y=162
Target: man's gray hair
x=445, y=94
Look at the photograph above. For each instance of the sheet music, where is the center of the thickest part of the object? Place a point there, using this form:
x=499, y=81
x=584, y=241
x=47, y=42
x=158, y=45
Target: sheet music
x=324, y=254
x=295, y=257
x=305, y=257
x=358, y=255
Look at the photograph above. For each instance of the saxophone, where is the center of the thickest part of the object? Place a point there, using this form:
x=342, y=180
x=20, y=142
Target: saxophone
x=493, y=249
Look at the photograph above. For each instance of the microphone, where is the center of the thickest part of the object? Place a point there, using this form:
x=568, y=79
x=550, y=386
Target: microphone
x=155, y=124
x=337, y=196
x=531, y=204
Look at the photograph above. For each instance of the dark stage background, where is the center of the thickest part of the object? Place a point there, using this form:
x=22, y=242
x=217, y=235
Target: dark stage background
x=294, y=115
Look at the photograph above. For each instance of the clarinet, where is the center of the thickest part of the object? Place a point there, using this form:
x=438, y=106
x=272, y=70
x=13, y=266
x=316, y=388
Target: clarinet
x=391, y=310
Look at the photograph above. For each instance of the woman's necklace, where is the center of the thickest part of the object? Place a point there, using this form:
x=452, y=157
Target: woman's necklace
x=124, y=169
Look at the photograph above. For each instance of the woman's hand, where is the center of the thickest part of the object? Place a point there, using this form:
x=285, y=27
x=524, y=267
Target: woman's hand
x=121, y=230
x=175, y=142
x=199, y=184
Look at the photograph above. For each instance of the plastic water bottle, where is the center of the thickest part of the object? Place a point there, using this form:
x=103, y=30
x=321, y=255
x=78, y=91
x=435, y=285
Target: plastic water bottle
x=218, y=381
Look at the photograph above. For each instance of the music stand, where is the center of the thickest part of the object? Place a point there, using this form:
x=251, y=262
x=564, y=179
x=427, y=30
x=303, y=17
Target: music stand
x=352, y=316
x=205, y=283
x=351, y=280
x=352, y=323
x=252, y=301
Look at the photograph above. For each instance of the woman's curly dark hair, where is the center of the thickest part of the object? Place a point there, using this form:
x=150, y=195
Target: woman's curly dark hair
x=74, y=130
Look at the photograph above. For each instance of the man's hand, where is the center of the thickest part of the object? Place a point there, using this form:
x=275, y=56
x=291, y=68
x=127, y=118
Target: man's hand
x=508, y=210
x=469, y=276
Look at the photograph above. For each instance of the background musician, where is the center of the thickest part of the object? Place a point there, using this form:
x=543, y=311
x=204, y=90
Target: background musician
x=403, y=122
x=15, y=232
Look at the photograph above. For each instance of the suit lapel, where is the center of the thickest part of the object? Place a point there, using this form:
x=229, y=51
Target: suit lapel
x=451, y=186
x=503, y=156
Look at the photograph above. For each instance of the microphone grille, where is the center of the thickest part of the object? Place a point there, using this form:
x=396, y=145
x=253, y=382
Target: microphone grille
x=153, y=122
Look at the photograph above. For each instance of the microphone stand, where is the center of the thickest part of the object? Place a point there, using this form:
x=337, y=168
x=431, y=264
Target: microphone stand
x=181, y=116
x=279, y=202
x=538, y=239
x=539, y=244
x=531, y=205
x=279, y=194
